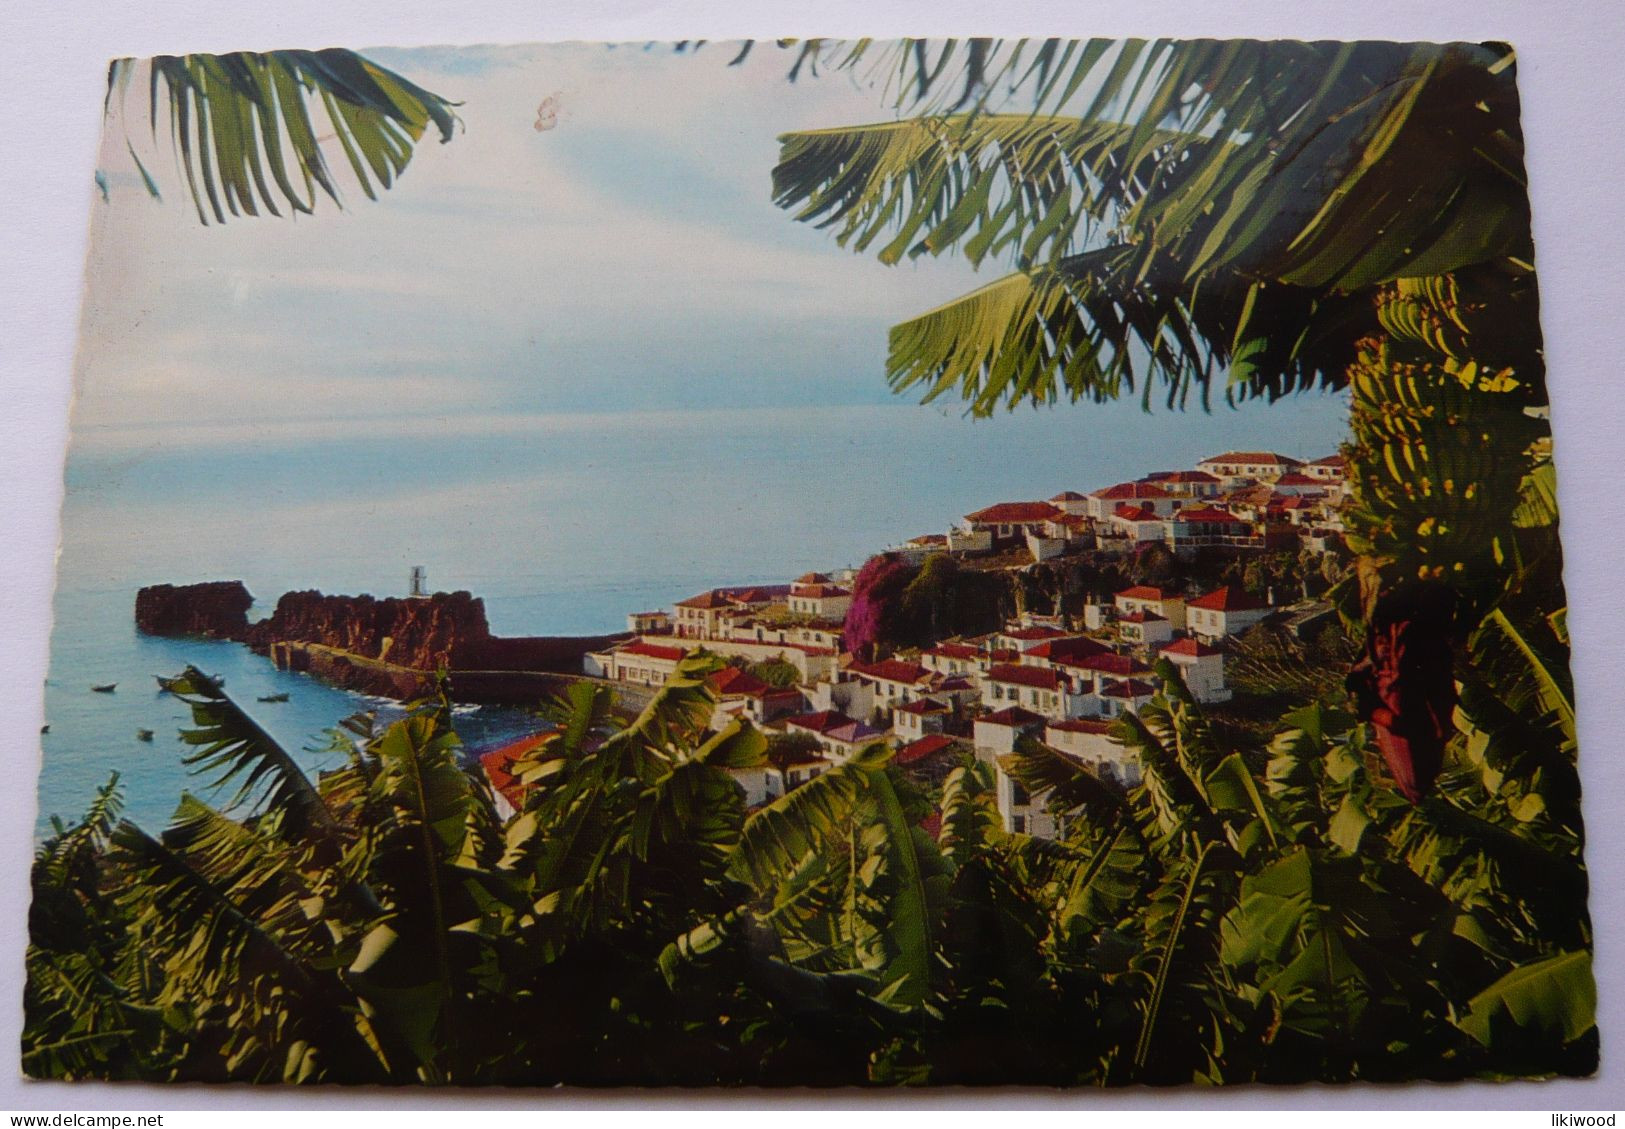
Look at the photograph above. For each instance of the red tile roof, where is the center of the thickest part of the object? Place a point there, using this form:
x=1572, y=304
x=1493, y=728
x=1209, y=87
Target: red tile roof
x=1296, y=479
x=706, y=600
x=821, y=722
x=822, y=591
x=731, y=680
x=1038, y=677
x=1188, y=476
x=923, y=748
x=1014, y=717
x=1135, y=513
x=1130, y=688
x=1230, y=598
x=1143, y=617
x=1075, y=647
x=1208, y=514
x=1131, y=490
x=1039, y=633
x=498, y=765
x=1014, y=513
x=1330, y=460
x=1068, y=496
x=954, y=651
x=653, y=651
x=891, y=670
x=922, y=707
x=1191, y=648
x=810, y=578
x=1255, y=457
x=1146, y=592
x=1121, y=665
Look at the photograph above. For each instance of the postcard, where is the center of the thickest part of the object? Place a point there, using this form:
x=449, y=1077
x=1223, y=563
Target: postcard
x=811, y=563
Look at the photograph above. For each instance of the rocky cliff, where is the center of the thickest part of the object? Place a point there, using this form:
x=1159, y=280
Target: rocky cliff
x=423, y=634
x=391, y=647
x=217, y=609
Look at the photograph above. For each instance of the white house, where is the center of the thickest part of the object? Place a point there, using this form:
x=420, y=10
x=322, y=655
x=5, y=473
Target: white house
x=1167, y=603
x=1136, y=526
x=951, y=658
x=1144, y=629
x=914, y=720
x=996, y=733
x=1126, y=696
x=742, y=694
x=1224, y=611
x=1043, y=690
x=821, y=601
x=1089, y=741
x=1260, y=466
x=1020, y=811
x=894, y=680
x=1332, y=470
x=1186, y=483
x=1056, y=651
x=1202, y=668
x=1008, y=521
x=1071, y=502
x=641, y=663
x=705, y=616
x=1300, y=485
x=1102, y=504
x=1025, y=638
x=839, y=736
x=649, y=623
x=1207, y=525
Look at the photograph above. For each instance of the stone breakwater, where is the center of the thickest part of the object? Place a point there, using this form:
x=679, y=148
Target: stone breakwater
x=388, y=647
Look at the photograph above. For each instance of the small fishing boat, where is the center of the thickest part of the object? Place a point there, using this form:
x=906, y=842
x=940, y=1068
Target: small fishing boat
x=46, y=728
x=172, y=685
x=143, y=735
x=105, y=688
x=274, y=697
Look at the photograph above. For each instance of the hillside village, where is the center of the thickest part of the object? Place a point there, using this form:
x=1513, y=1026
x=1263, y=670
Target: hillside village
x=1057, y=679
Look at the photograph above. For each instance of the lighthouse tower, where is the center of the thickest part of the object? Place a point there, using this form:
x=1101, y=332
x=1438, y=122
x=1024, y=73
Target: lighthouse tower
x=420, y=582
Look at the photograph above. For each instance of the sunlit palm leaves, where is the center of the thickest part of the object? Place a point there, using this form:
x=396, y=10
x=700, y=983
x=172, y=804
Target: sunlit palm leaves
x=248, y=128
x=1273, y=176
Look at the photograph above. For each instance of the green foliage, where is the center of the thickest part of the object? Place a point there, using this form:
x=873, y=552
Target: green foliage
x=776, y=672
x=1229, y=919
x=1251, y=911
x=236, y=119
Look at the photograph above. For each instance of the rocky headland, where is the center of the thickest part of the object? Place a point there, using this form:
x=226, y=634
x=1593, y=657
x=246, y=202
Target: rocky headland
x=391, y=647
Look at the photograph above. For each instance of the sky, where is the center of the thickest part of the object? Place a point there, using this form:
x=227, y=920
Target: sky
x=628, y=258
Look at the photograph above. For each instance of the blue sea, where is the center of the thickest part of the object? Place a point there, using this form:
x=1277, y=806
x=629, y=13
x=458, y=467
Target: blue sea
x=562, y=523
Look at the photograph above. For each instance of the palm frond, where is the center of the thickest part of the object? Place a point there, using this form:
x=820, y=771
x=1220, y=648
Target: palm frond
x=228, y=741
x=247, y=137
x=1093, y=326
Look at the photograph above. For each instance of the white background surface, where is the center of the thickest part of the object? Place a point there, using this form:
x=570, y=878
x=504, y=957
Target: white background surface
x=52, y=79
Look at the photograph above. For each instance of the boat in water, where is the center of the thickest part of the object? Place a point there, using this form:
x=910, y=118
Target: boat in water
x=105, y=688
x=143, y=735
x=274, y=697
x=178, y=685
